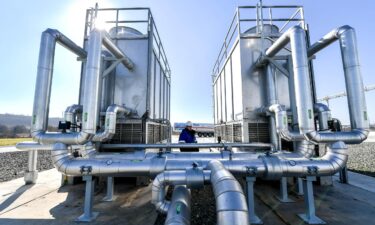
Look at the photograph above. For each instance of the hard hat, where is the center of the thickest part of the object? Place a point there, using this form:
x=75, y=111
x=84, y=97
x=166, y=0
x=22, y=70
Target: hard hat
x=189, y=124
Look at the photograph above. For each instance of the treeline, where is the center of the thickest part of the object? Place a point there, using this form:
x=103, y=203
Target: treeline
x=18, y=131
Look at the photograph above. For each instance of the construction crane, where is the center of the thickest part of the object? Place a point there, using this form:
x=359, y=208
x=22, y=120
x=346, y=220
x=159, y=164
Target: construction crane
x=343, y=94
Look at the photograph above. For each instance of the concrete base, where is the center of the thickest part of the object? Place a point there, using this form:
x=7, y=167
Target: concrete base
x=311, y=220
x=31, y=177
x=86, y=219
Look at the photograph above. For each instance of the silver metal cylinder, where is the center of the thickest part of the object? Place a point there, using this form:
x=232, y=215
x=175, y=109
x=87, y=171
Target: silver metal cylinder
x=180, y=208
x=231, y=206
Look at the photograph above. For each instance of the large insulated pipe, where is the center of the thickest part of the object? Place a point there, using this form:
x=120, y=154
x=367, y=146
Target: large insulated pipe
x=231, y=206
x=297, y=38
x=189, y=145
x=272, y=99
x=91, y=87
x=180, y=208
x=44, y=80
x=110, y=122
x=193, y=178
x=282, y=165
x=354, y=87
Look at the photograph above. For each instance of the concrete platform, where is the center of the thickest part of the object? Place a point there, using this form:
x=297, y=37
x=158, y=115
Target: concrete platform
x=48, y=203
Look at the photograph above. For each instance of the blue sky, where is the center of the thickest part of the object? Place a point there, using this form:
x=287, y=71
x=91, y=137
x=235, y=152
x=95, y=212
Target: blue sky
x=192, y=33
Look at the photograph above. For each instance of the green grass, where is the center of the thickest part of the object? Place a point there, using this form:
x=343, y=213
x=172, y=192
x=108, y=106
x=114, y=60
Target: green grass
x=12, y=141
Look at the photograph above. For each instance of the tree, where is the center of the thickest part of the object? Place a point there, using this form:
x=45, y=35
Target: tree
x=20, y=129
x=4, y=131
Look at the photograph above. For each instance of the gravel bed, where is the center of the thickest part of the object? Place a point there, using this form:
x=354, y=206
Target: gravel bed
x=14, y=164
x=362, y=158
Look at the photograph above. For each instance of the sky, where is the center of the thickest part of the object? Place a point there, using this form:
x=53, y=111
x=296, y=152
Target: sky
x=192, y=33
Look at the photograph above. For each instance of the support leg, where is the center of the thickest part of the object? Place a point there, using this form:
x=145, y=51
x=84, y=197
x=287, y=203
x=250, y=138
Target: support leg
x=299, y=186
x=88, y=215
x=31, y=174
x=344, y=175
x=309, y=217
x=253, y=218
x=284, y=191
x=110, y=190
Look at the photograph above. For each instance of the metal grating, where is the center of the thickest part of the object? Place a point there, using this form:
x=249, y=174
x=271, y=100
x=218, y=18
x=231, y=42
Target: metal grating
x=229, y=133
x=237, y=132
x=156, y=133
x=128, y=133
x=259, y=132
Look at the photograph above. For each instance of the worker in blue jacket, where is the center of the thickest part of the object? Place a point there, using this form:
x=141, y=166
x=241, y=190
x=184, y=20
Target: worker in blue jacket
x=188, y=136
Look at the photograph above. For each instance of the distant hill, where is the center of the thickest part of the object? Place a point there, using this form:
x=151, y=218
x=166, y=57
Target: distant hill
x=11, y=120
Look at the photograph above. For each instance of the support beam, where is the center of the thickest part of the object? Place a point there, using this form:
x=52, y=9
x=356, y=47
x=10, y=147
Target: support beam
x=253, y=218
x=309, y=217
x=88, y=215
x=110, y=197
x=284, y=191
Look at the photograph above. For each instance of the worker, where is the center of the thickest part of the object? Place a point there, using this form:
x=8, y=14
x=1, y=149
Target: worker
x=188, y=136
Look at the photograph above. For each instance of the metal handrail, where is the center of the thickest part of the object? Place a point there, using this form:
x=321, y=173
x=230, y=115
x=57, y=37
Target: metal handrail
x=235, y=27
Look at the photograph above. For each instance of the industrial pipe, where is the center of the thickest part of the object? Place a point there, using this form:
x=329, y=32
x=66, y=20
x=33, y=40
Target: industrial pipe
x=354, y=87
x=192, y=178
x=180, y=208
x=71, y=113
x=189, y=145
x=324, y=115
x=43, y=87
x=231, y=206
x=297, y=38
x=110, y=122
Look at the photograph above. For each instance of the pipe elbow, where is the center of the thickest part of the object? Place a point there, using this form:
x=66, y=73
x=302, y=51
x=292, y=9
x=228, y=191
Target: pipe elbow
x=158, y=194
x=60, y=157
x=336, y=156
x=362, y=134
x=53, y=32
x=339, y=31
x=314, y=137
x=320, y=107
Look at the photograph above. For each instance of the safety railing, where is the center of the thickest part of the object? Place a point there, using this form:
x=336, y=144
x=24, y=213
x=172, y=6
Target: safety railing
x=140, y=19
x=248, y=17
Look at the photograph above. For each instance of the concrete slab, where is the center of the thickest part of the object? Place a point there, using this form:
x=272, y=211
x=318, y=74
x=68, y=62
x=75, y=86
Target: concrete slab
x=47, y=203
x=359, y=180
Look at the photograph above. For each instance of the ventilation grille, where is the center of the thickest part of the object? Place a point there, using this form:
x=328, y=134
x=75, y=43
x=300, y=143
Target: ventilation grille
x=128, y=133
x=229, y=133
x=156, y=133
x=237, y=132
x=258, y=132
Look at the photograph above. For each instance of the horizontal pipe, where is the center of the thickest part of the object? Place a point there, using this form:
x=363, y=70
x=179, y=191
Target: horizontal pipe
x=31, y=146
x=190, y=145
x=110, y=122
x=231, y=206
x=180, y=209
x=116, y=51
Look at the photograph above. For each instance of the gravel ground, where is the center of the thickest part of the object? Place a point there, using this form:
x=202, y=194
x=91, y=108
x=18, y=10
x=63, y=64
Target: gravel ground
x=362, y=158
x=14, y=164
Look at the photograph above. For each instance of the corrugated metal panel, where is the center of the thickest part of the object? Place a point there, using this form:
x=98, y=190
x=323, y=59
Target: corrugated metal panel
x=128, y=133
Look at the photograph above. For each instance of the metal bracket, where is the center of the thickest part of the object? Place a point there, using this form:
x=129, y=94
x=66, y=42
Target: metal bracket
x=253, y=218
x=309, y=217
x=88, y=215
x=110, y=197
x=284, y=191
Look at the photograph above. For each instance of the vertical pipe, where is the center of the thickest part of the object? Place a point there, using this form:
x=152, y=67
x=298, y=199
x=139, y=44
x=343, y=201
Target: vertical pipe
x=43, y=83
x=179, y=210
x=91, y=86
x=353, y=79
x=272, y=99
x=302, y=81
